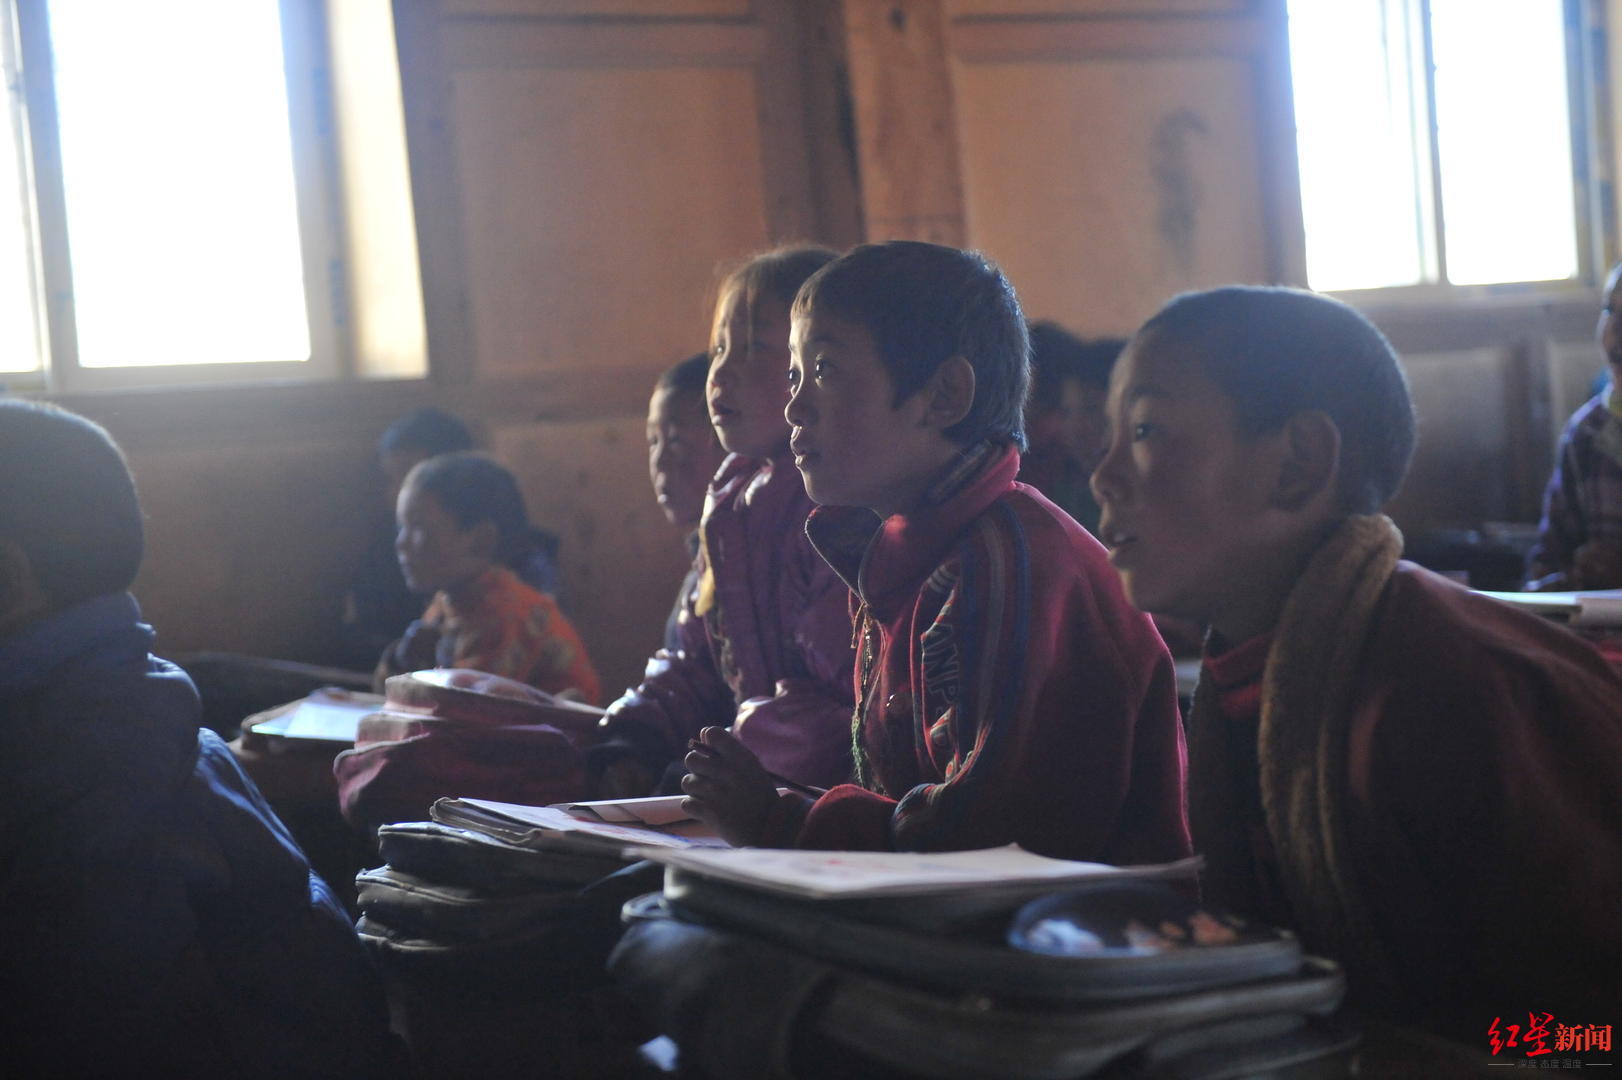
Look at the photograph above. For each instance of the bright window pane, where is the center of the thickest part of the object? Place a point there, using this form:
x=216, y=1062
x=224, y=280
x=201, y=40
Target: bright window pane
x=1359, y=158
x=178, y=172
x=1504, y=137
x=19, y=345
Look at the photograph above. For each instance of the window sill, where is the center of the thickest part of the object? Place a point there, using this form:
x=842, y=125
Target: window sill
x=1441, y=319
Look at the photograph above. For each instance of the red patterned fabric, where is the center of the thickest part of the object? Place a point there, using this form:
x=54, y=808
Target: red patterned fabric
x=1012, y=694
x=506, y=628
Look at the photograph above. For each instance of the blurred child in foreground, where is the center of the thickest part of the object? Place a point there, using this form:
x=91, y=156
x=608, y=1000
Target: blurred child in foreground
x=160, y=920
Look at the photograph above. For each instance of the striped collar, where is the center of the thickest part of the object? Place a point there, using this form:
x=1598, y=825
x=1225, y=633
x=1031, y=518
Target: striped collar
x=878, y=559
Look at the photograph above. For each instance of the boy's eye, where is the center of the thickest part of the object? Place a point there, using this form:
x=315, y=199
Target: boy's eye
x=1142, y=431
x=820, y=368
x=793, y=378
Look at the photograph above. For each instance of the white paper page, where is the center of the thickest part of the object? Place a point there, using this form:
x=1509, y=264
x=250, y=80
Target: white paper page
x=848, y=874
x=322, y=717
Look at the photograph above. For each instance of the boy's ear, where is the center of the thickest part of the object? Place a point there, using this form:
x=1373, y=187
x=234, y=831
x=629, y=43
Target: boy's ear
x=1309, y=462
x=951, y=393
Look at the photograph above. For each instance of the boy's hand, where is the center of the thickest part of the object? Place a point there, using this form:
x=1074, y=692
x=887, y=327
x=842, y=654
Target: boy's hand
x=727, y=788
x=1598, y=565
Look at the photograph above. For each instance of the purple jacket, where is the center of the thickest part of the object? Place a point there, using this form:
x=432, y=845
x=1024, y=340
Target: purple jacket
x=766, y=635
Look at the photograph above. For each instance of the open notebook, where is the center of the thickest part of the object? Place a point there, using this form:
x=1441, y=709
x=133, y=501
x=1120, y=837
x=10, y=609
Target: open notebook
x=850, y=875
x=554, y=828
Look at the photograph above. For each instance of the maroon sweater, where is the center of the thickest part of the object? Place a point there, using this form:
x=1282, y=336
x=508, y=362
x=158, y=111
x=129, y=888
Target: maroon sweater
x=1441, y=780
x=1009, y=691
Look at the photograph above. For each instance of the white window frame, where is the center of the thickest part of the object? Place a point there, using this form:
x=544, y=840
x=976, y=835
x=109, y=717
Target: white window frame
x=33, y=110
x=1592, y=142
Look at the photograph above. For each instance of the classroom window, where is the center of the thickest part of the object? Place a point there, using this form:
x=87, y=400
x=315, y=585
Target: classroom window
x=168, y=194
x=1441, y=142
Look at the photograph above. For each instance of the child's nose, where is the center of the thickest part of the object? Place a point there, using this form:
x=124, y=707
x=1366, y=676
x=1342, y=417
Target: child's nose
x=796, y=412
x=723, y=366
x=1105, y=481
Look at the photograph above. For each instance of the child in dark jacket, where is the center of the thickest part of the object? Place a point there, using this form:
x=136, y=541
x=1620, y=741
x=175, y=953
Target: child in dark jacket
x=765, y=638
x=159, y=919
x=1423, y=783
x=1007, y=692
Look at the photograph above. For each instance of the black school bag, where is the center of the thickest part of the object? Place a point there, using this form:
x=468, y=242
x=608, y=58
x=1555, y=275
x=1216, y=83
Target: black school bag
x=1121, y=979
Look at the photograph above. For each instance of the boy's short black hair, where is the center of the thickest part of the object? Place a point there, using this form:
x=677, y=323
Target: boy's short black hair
x=924, y=304
x=474, y=489
x=428, y=429
x=1279, y=351
x=686, y=377
x=1058, y=356
x=68, y=500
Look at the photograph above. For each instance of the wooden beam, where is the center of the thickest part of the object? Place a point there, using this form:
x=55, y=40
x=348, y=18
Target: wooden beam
x=906, y=123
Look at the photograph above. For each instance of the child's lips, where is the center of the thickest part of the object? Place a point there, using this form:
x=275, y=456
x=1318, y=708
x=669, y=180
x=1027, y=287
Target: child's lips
x=1115, y=539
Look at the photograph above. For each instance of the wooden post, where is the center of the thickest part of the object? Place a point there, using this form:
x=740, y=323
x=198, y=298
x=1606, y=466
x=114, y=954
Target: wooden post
x=906, y=124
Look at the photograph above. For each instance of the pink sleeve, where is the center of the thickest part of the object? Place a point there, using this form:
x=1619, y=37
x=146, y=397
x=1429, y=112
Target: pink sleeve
x=680, y=694
x=803, y=730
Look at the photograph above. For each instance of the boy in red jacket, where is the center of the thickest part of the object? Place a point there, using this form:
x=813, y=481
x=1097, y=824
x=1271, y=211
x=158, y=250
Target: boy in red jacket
x=1006, y=691
x=1421, y=782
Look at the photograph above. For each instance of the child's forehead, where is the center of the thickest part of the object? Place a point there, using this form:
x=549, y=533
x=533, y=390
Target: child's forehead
x=745, y=310
x=416, y=498
x=819, y=323
x=1161, y=366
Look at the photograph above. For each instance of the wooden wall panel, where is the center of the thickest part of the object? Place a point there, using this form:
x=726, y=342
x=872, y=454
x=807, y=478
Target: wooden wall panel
x=1573, y=368
x=250, y=547
x=1107, y=155
x=1527, y=363
x=588, y=482
x=1103, y=187
x=903, y=98
x=597, y=204
x=1460, y=475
